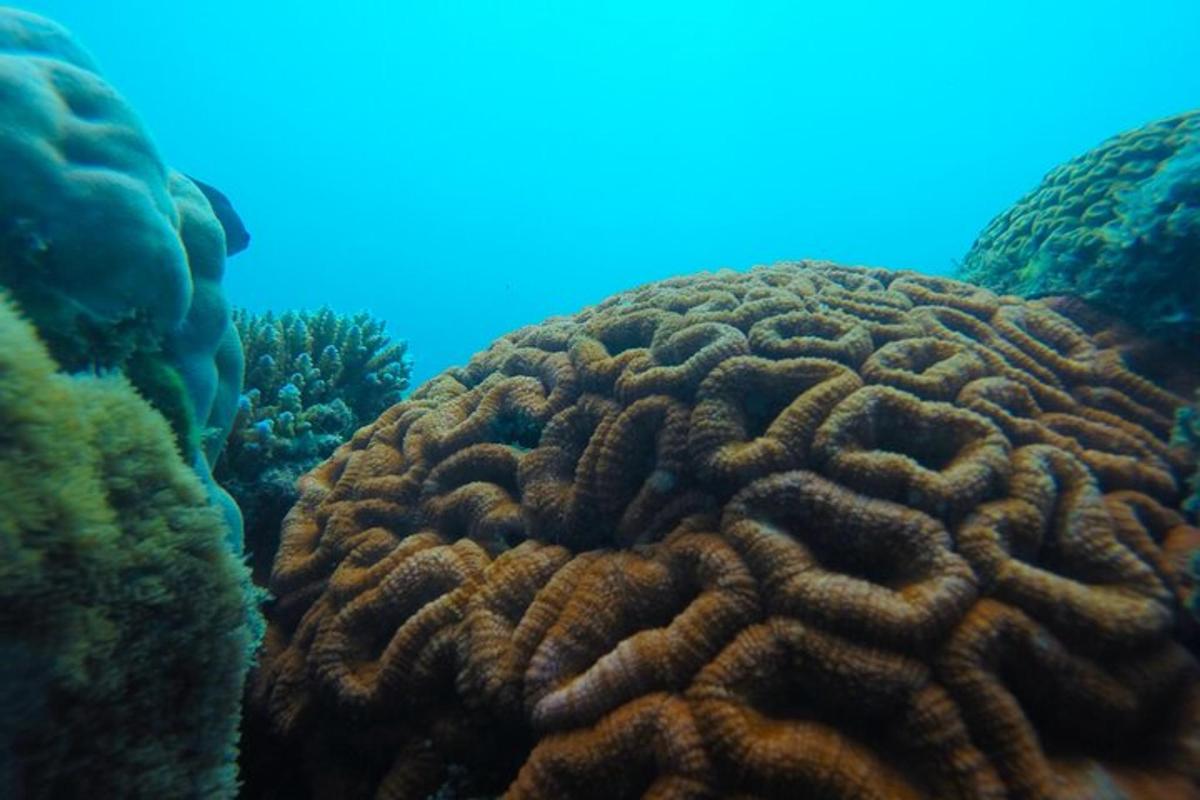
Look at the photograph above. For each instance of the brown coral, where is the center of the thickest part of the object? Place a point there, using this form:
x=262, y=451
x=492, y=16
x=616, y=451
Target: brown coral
x=807, y=530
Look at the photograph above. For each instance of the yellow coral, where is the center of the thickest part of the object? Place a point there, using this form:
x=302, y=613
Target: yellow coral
x=124, y=628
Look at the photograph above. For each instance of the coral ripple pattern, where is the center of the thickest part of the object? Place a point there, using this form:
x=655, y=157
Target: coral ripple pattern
x=803, y=531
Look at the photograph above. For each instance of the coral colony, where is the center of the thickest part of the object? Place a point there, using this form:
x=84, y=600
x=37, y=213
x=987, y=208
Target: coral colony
x=312, y=379
x=807, y=528
x=804, y=530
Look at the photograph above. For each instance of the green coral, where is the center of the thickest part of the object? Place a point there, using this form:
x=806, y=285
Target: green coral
x=312, y=379
x=326, y=356
x=126, y=624
x=1118, y=226
x=79, y=343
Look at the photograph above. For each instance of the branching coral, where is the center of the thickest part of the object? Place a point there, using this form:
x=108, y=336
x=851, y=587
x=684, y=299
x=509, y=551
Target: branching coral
x=312, y=379
x=125, y=624
x=807, y=530
x=1118, y=226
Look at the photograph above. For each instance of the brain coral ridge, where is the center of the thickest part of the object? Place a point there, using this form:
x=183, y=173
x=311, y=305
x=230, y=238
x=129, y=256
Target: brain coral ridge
x=807, y=530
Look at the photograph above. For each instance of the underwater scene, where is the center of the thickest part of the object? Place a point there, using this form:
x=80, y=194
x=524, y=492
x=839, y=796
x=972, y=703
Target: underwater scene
x=539, y=400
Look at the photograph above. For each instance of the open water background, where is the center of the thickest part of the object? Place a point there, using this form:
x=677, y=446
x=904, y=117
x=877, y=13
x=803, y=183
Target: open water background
x=463, y=168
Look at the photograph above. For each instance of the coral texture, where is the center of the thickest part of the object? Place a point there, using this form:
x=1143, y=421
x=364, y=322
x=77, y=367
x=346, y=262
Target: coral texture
x=804, y=531
x=312, y=379
x=1118, y=226
x=125, y=630
x=116, y=258
x=1187, y=434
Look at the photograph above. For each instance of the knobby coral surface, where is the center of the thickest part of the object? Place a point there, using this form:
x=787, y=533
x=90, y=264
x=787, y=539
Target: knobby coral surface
x=805, y=531
x=312, y=379
x=116, y=258
x=1118, y=226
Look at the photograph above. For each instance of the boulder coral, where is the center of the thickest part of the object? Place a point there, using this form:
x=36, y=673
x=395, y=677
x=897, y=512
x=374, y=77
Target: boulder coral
x=116, y=258
x=1118, y=226
x=125, y=627
x=807, y=530
x=312, y=379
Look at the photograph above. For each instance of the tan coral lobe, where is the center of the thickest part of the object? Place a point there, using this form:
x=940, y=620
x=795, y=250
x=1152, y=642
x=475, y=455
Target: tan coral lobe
x=807, y=530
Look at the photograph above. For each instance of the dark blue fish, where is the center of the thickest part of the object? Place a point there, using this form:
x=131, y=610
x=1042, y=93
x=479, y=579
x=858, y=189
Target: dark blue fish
x=237, y=238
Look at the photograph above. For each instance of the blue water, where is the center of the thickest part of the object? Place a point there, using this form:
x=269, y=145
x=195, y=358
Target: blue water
x=461, y=169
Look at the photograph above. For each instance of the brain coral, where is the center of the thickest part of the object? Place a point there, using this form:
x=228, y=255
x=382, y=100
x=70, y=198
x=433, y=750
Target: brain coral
x=804, y=531
x=1118, y=226
x=116, y=258
x=125, y=633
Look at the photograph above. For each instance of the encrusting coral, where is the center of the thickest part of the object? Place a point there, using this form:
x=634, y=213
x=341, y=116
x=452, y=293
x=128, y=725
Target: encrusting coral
x=807, y=530
x=116, y=258
x=1118, y=226
x=125, y=626
x=312, y=379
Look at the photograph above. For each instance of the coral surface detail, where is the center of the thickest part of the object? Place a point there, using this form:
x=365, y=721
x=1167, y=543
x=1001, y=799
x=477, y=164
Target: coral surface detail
x=1118, y=226
x=807, y=530
x=126, y=624
x=116, y=258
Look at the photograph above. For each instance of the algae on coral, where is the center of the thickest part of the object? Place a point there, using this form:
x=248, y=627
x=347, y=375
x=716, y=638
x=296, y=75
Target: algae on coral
x=126, y=623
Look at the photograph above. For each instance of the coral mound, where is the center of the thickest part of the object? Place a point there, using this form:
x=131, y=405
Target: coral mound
x=125, y=630
x=802, y=531
x=116, y=258
x=1118, y=226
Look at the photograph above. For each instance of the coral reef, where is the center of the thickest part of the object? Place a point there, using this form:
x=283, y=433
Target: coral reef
x=116, y=258
x=126, y=627
x=807, y=530
x=312, y=379
x=1118, y=226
